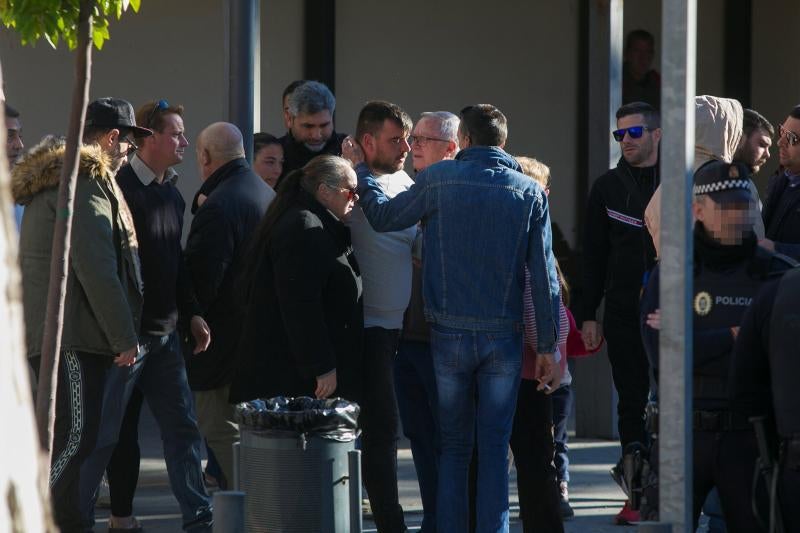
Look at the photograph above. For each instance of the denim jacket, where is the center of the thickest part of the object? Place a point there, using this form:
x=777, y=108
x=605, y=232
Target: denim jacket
x=483, y=221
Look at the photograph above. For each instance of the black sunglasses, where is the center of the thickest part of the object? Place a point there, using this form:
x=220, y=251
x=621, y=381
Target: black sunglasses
x=635, y=132
x=161, y=105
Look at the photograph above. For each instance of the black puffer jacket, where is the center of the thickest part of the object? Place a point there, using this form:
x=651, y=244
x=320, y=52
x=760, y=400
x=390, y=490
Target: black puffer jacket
x=617, y=248
x=220, y=232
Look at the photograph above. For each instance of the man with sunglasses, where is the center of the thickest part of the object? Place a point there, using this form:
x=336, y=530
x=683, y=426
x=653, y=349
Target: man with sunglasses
x=617, y=253
x=159, y=374
x=782, y=208
x=104, y=286
x=385, y=260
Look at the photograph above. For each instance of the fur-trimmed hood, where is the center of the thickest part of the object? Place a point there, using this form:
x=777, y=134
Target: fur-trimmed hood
x=40, y=168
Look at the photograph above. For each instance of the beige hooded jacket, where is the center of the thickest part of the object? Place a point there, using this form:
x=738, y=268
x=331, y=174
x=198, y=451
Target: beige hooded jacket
x=718, y=133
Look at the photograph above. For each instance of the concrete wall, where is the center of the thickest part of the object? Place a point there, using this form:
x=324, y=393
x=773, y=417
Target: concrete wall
x=448, y=54
x=775, y=85
x=174, y=50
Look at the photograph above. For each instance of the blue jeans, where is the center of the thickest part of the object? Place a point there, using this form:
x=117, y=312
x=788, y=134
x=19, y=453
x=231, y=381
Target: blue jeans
x=415, y=385
x=160, y=373
x=562, y=407
x=489, y=364
x=713, y=510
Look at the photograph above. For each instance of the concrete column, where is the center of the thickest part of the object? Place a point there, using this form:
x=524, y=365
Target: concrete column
x=596, y=398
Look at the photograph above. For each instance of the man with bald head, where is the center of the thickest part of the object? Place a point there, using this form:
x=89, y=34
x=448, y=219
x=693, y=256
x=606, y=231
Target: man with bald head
x=235, y=201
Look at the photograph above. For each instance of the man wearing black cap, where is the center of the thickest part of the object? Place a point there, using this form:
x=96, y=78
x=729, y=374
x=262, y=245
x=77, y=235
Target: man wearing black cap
x=729, y=268
x=104, y=286
x=159, y=373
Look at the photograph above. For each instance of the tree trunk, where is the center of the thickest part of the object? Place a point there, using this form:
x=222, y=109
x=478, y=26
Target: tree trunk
x=54, y=317
x=24, y=493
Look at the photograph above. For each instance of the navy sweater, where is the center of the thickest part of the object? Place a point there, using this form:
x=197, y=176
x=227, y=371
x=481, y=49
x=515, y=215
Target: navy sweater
x=157, y=211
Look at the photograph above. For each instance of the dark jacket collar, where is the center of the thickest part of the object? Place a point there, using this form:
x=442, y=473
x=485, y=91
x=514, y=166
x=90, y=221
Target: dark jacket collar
x=336, y=227
x=220, y=175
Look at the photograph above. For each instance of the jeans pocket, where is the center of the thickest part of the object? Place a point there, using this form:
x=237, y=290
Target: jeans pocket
x=446, y=347
x=505, y=352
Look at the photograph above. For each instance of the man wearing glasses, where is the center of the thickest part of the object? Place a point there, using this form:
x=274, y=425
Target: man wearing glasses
x=782, y=208
x=159, y=373
x=617, y=253
x=483, y=222
x=385, y=260
x=104, y=285
x=433, y=139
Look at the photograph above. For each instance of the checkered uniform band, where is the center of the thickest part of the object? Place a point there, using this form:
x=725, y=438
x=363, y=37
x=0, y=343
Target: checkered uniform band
x=719, y=186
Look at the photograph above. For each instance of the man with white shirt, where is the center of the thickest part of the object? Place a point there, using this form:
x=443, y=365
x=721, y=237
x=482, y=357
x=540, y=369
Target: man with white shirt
x=159, y=374
x=385, y=262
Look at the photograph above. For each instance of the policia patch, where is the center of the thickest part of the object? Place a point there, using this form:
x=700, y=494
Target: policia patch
x=702, y=303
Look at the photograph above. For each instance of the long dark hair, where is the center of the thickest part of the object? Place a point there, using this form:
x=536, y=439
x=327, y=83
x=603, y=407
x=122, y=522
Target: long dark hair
x=328, y=170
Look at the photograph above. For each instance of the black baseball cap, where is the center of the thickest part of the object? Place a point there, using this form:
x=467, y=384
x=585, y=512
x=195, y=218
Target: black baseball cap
x=723, y=182
x=116, y=113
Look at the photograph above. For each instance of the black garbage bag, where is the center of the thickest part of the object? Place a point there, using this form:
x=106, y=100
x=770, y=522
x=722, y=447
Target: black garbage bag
x=334, y=418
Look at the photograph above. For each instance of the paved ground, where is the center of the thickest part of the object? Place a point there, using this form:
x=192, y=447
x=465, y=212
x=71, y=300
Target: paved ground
x=594, y=495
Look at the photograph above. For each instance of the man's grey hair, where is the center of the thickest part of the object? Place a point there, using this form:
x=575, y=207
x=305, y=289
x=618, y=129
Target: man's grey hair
x=447, y=123
x=310, y=98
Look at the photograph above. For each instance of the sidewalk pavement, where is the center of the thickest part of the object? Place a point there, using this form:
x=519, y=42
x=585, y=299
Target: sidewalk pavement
x=593, y=494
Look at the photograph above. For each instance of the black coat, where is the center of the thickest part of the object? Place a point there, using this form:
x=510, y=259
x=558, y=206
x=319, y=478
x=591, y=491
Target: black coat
x=304, y=313
x=296, y=155
x=218, y=238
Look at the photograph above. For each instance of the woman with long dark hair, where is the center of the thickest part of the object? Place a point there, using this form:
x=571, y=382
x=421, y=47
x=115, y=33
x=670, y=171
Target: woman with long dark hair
x=304, y=319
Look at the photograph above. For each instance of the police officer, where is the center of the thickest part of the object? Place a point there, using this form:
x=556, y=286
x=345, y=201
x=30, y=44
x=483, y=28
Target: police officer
x=764, y=371
x=729, y=269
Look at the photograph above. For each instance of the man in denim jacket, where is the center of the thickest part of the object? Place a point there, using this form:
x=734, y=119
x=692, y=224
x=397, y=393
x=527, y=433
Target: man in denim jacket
x=483, y=221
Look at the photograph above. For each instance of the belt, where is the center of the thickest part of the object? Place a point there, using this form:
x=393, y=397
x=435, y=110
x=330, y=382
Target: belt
x=719, y=421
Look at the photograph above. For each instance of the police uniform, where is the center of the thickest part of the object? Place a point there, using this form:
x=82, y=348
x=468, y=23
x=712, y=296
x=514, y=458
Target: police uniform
x=764, y=370
x=726, y=279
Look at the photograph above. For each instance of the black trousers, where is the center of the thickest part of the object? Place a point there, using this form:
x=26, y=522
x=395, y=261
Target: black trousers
x=533, y=447
x=789, y=497
x=123, y=468
x=726, y=460
x=79, y=403
x=631, y=373
x=379, y=422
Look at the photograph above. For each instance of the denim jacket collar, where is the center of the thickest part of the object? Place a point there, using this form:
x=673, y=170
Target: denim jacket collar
x=489, y=153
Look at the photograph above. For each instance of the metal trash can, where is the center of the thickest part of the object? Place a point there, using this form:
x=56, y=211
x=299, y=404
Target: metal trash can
x=298, y=466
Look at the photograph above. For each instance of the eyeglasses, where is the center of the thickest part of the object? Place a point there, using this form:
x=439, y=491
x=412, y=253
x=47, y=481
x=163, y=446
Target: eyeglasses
x=351, y=192
x=132, y=145
x=422, y=140
x=161, y=105
x=635, y=132
x=399, y=140
x=791, y=137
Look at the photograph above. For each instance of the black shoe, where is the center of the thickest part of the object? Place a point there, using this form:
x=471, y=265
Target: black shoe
x=563, y=505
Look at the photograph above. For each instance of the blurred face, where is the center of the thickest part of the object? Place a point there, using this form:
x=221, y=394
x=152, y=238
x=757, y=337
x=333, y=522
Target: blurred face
x=119, y=149
x=788, y=153
x=639, y=57
x=755, y=150
x=166, y=147
x=268, y=163
x=726, y=223
x=386, y=151
x=428, y=146
x=641, y=151
x=312, y=130
x=339, y=200
x=14, y=144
